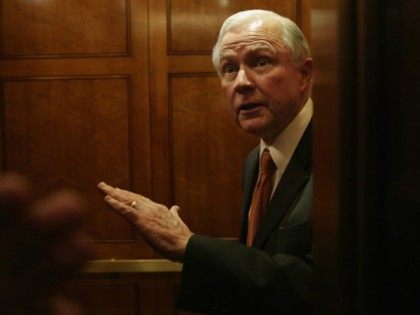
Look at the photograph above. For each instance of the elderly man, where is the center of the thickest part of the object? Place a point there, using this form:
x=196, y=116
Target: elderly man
x=265, y=70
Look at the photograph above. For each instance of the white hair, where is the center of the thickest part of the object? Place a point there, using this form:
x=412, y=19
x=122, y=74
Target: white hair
x=290, y=34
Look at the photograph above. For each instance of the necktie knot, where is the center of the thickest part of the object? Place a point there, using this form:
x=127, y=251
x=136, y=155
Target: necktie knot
x=267, y=163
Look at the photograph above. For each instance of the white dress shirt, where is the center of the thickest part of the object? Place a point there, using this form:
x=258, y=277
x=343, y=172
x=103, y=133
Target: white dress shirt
x=284, y=145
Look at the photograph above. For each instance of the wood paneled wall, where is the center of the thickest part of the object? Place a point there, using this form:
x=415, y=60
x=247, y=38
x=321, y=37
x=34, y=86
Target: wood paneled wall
x=70, y=113
x=124, y=91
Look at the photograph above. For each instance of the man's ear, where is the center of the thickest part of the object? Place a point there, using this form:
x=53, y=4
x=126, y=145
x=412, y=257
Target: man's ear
x=306, y=71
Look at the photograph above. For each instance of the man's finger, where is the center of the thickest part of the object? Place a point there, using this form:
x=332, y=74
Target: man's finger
x=104, y=188
x=115, y=193
x=174, y=210
x=127, y=195
x=122, y=195
x=121, y=207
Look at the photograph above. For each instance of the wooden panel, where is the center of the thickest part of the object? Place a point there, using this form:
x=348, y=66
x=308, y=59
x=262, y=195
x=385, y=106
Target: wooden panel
x=167, y=289
x=64, y=27
x=207, y=184
x=114, y=294
x=159, y=116
x=327, y=143
x=323, y=25
x=71, y=131
x=107, y=299
x=194, y=25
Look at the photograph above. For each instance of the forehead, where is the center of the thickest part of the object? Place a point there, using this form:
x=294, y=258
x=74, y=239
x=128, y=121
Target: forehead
x=251, y=37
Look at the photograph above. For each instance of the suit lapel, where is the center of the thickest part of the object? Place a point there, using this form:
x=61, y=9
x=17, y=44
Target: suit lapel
x=295, y=176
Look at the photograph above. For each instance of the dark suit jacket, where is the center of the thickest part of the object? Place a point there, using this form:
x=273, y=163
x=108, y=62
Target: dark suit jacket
x=274, y=276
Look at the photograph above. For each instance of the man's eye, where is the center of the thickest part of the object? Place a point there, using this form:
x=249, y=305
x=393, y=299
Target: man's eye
x=261, y=62
x=229, y=69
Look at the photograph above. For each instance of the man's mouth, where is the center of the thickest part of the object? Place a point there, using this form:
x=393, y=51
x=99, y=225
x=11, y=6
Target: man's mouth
x=249, y=106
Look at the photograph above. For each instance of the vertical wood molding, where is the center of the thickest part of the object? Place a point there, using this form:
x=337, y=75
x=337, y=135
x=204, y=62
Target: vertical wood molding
x=322, y=22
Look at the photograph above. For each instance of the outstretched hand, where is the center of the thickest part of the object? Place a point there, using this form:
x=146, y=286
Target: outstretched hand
x=163, y=229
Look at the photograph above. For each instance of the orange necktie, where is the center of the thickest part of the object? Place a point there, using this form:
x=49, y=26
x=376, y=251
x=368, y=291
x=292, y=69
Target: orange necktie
x=261, y=196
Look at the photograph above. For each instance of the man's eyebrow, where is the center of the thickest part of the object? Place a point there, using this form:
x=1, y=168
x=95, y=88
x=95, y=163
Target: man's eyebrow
x=260, y=46
x=227, y=54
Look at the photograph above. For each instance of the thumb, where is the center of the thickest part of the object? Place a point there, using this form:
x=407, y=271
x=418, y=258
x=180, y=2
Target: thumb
x=174, y=210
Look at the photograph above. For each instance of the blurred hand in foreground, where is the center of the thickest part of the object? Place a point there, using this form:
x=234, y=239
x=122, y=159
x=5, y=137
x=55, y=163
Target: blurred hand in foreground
x=41, y=245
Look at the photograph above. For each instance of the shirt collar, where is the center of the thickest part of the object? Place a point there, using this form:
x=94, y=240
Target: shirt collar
x=284, y=145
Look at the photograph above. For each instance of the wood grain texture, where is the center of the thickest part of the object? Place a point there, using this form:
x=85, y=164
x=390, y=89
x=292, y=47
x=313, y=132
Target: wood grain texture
x=113, y=294
x=167, y=289
x=64, y=27
x=194, y=25
x=64, y=108
x=321, y=23
x=71, y=131
x=208, y=151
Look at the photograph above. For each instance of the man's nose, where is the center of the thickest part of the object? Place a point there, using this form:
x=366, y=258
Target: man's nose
x=243, y=82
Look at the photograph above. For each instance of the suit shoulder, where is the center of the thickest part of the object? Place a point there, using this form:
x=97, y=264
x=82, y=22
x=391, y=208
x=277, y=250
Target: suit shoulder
x=252, y=155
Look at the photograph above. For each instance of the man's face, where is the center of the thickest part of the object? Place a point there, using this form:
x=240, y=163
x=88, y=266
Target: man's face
x=264, y=88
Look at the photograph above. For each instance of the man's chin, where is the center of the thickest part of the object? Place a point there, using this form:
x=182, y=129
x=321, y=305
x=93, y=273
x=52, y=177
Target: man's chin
x=253, y=128
x=260, y=128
